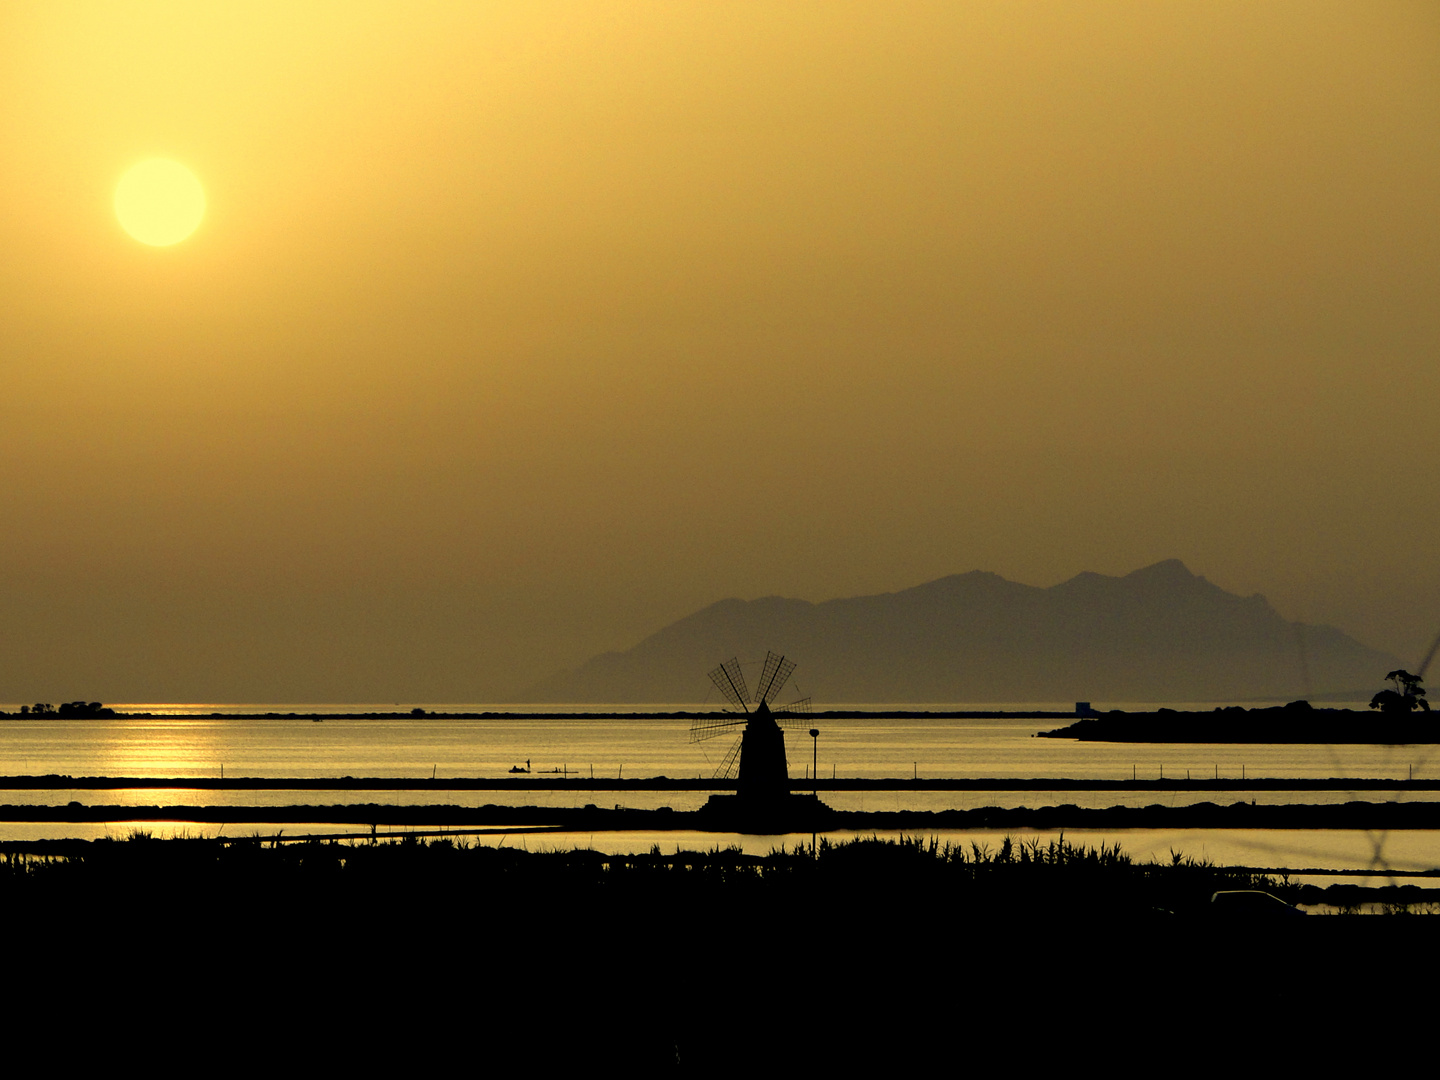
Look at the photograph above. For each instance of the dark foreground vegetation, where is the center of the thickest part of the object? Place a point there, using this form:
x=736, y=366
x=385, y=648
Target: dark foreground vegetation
x=875, y=956
x=921, y=878
x=917, y=876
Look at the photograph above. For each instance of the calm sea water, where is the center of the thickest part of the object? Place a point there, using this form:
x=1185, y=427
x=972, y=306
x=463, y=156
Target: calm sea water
x=179, y=745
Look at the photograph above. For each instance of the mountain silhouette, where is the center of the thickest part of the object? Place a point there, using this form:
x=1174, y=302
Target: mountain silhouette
x=1161, y=633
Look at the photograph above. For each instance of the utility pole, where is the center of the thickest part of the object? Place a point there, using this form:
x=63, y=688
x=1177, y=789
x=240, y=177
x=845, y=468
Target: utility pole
x=815, y=761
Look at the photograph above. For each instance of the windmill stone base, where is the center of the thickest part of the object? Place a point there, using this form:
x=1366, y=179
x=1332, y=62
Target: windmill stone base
x=788, y=813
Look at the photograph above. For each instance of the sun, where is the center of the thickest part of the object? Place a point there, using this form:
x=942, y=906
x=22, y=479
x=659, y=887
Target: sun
x=159, y=202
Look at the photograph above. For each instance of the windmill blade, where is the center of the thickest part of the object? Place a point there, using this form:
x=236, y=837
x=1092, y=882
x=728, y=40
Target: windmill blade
x=794, y=723
x=727, y=767
x=707, y=727
x=795, y=716
x=773, y=678
x=730, y=681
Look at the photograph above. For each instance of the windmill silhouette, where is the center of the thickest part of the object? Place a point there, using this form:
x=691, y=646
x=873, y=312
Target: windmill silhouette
x=759, y=751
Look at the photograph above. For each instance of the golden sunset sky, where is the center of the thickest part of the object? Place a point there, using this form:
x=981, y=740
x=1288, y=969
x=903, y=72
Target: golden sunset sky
x=513, y=332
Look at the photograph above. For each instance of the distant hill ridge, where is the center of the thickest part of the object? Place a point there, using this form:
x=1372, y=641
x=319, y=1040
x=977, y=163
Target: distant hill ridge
x=1160, y=633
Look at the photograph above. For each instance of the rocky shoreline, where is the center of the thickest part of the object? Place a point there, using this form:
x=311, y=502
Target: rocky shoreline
x=1297, y=722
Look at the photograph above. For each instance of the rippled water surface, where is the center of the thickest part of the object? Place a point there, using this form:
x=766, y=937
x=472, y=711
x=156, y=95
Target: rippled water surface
x=416, y=748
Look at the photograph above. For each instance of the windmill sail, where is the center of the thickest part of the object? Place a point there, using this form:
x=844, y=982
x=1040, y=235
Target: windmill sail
x=773, y=678
x=707, y=727
x=727, y=767
x=792, y=716
x=730, y=681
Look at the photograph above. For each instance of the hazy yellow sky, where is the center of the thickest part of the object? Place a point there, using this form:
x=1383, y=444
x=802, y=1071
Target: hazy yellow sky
x=515, y=331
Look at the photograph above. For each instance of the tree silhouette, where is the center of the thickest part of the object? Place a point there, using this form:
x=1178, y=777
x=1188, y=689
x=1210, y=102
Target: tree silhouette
x=1407, y=696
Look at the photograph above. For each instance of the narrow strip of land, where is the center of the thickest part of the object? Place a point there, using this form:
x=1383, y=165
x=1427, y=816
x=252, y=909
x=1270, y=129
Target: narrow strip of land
x=590, y=818
x=609, y=714
x=533, y=782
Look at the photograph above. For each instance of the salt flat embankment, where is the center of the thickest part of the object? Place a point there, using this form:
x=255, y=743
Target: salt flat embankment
x=1240, y=815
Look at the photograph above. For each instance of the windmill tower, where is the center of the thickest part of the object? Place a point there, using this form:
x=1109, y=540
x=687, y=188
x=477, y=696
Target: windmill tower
x=759, y=751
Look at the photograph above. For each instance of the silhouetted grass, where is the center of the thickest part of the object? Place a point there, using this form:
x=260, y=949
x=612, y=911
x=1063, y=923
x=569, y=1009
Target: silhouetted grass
x=835, y=884
x=638, y=954
x=879, y=875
